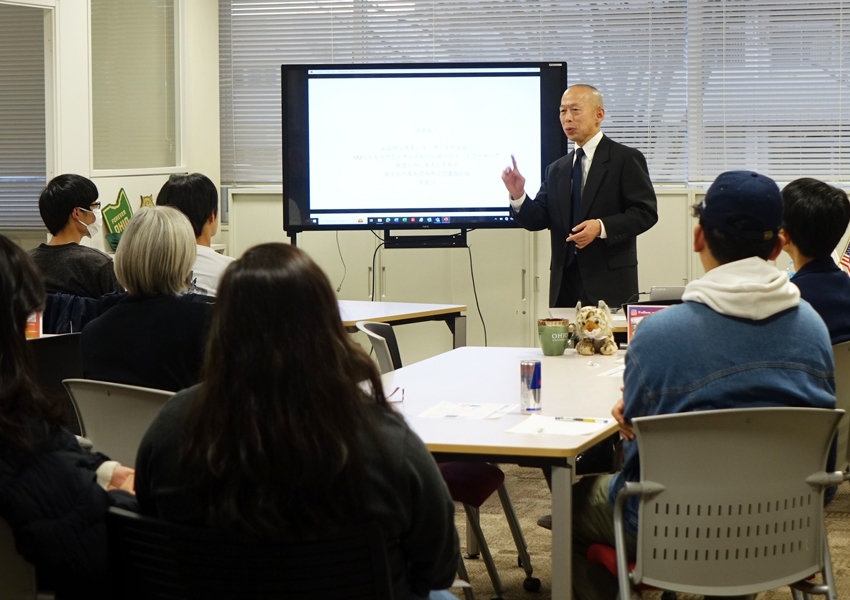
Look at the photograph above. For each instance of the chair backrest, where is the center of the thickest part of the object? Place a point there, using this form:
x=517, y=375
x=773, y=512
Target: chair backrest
x=115, y=416
x=157, y=559
x=384, y=343
x=736, y=515
x=841, y=353
x=17, y=576
x=57, y=357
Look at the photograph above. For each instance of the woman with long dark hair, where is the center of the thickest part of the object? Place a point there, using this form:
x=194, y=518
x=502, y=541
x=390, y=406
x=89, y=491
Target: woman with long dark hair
x=52, y=492
x=289, y=433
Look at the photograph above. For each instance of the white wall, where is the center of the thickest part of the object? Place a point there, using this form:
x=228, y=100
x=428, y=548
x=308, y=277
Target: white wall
x=511, y=268
x=71, y=117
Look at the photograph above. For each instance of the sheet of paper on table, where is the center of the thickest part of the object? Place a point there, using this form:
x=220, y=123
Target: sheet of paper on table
x=550, y=425
x=615, y=372
x=464, y=410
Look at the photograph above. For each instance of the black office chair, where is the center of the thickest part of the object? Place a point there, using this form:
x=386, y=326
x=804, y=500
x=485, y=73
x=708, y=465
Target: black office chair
x=152, y=559
x=57, y=358
x=17, y=576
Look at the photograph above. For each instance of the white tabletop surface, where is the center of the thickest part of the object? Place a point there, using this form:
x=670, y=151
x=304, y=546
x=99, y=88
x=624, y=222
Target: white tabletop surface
x=387, y=312
x=572, y=385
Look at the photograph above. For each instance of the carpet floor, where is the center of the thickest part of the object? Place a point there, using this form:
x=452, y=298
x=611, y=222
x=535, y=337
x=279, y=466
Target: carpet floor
x=531, y=499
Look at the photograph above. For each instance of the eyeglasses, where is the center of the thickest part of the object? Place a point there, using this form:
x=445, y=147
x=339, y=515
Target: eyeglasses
x=93, y=206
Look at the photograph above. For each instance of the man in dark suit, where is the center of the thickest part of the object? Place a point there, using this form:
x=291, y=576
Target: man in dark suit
x=594, y=223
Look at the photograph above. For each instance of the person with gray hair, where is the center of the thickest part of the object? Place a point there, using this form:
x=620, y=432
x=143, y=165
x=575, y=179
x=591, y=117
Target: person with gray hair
x=154, y=337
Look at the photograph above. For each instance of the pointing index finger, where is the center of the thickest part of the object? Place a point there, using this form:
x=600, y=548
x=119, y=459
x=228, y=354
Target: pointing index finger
x=513, y=160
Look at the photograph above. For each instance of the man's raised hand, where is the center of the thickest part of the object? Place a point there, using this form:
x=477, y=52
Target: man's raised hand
x=513, y=180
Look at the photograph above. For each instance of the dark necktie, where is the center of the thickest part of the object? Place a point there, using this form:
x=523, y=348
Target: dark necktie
x=575, y=204
x=575, y=201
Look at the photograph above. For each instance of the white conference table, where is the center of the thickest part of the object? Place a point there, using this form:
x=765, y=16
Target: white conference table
x=400, y=313
x=572, y=385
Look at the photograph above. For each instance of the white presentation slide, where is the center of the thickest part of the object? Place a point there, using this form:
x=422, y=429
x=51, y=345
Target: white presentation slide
x=421, y=142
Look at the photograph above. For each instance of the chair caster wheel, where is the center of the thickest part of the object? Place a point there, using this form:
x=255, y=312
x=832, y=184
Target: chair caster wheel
x=532, y=584
x=668, y=596
x=471, y=556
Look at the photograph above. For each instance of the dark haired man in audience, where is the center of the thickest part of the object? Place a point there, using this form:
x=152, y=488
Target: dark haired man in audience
x=70, y=210
x=742, y=338
x=196, y=197
x=816, y=218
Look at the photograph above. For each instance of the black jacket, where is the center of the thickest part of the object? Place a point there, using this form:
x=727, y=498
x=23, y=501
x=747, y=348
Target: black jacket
x=56, y=509
x=150, y=341
x=404, y=491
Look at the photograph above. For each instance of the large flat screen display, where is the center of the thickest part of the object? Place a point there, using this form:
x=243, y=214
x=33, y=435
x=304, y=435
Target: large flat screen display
x=414, y=146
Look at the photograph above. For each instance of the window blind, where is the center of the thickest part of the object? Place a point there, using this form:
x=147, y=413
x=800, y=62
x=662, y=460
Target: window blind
x=633, y=51
x=133, y=84
x=23, y=168
x=769, y=88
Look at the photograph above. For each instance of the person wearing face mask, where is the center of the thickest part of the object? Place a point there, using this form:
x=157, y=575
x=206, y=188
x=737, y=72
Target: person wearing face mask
x=70, y=211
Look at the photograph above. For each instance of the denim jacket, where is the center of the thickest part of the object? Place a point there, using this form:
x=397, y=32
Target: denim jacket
x=690, y=357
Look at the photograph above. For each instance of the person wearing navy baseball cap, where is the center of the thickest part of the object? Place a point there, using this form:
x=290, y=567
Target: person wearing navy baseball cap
x=741, y=338
x=743, y=205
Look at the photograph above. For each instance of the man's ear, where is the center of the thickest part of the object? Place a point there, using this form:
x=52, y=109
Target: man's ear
x=76, y=216
x=213, y=216
x=777, y=249
x=699, y=239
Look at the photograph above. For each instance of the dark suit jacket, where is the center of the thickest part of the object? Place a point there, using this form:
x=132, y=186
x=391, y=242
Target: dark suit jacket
x=617, y=191
x=827, y=288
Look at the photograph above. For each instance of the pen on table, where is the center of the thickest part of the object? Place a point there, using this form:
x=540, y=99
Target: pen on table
x=392, y=393
x=583, y=420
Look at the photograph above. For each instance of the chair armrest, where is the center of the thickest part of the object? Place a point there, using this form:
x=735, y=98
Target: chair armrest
x=822, y=479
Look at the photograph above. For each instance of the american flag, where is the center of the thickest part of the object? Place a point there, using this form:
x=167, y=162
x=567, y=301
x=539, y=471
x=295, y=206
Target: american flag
x=844, y=261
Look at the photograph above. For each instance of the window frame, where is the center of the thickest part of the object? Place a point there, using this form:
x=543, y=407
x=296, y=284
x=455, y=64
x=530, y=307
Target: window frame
x=179, y=107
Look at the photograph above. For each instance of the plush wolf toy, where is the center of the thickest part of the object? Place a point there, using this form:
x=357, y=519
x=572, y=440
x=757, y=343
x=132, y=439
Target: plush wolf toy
x=593, y=324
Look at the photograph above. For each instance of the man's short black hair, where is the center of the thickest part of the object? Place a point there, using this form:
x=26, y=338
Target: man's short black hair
x=194, y=195
x=61, y=196
x=816, y=216
x=726, y=248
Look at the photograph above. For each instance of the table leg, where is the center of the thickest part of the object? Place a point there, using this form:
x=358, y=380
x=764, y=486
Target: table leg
x=458, y=327
x=471, y=541
x=562, y=532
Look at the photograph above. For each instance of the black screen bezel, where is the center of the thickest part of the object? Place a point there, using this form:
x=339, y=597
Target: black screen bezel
x=295, y=134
